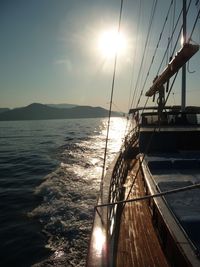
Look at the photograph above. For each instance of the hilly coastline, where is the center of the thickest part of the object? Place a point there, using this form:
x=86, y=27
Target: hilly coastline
x=4, y=110
x=37, y=111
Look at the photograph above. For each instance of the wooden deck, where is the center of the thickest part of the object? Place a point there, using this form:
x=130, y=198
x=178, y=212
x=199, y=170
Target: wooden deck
x=138, y=243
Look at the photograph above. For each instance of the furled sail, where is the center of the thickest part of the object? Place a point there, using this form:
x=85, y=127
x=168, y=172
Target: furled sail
x=185, y=53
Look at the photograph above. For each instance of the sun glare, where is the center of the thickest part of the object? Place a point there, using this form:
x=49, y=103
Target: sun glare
x=111, y=42
x=99, y=241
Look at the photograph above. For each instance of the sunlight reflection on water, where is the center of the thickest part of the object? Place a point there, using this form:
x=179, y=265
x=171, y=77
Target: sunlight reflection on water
x=70, y=192
x=117, y=132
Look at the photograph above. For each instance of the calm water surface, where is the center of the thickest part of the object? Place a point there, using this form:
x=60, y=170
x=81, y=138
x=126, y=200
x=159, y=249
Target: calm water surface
x=49, y=182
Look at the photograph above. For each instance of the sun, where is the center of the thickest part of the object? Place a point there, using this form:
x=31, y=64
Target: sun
x=111, y=42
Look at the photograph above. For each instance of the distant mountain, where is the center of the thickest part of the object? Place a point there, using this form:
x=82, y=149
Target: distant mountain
x=38, y=111
x=61, y=105
x=3, y=110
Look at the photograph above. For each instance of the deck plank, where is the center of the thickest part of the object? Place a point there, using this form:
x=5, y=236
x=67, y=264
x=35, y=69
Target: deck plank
x=138, y=243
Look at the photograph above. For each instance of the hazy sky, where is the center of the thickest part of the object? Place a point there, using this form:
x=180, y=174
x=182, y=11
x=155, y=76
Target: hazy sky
x=49, y=51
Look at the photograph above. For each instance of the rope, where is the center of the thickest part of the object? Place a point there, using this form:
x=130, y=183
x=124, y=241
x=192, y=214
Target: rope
x=161, y=194
x=145, y=47
x=165, y=100
x=143, y=156
x=170, y=88
x=173, y=26
x=111, y=100
x=169, y=91
x=134, y=57
x=172, y=37
x=197, y=17
x=137, y=172
x=153, y=57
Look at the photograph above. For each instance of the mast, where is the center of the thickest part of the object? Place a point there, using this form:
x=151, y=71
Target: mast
x=183, y=95
x=178, y=62
x=181, y=57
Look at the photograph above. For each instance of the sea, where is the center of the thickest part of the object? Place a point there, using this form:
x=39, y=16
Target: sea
x=50, y=172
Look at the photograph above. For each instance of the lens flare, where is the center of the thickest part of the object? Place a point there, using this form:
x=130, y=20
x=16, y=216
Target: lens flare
x=111, y=42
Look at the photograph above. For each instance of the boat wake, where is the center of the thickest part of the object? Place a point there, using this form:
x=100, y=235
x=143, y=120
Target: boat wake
x=70, y=193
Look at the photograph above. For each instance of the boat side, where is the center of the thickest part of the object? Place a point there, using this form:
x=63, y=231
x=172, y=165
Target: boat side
x=98, y=251
x=171, y=161
x=174, y=239
x=104, y=235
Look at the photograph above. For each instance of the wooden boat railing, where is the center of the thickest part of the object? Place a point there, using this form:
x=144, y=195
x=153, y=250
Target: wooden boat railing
x=117, y=190
x=118, y=176
x=110, y=206
x=101, y=248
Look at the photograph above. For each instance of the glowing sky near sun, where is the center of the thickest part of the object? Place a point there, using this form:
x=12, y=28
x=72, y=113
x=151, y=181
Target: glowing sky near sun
x=111, y=42
x=62, y=51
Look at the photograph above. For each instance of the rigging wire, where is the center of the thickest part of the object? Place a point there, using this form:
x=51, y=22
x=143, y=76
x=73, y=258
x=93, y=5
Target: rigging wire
x=111, y=100
x=144, y=108
x=190, y=38
x=128, y=125
x=174, y=11
x=155, y=51
x=195, y=23
x=179, y=17
x=171, y=191
x=144, y=53
x=134, y=57
x=145, y=47
x=146, y=197
x=168, y=44
x=148, y=144
x=171, y=27
x=166, y=99
x=169, y=56
x=163, y=193
x=181, y=29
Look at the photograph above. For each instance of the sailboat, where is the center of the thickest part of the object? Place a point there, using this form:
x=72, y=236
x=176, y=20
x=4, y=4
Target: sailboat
x=148, y=211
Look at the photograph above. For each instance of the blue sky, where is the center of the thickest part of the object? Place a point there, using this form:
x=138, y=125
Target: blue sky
x=49, y=51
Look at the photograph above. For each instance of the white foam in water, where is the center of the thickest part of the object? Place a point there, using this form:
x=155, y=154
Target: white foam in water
x=69, y=195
